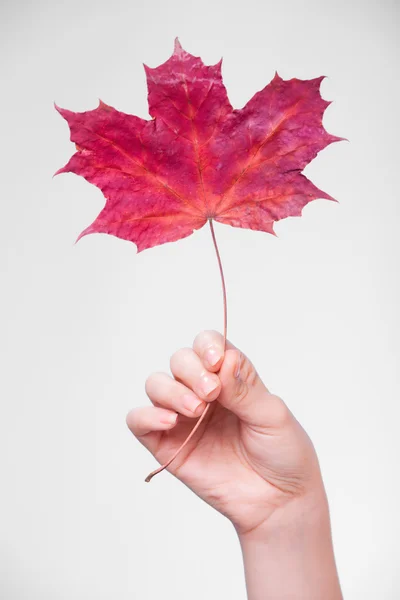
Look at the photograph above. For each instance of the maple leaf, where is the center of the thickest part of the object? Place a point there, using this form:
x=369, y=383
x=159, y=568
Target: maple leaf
x=199, y=159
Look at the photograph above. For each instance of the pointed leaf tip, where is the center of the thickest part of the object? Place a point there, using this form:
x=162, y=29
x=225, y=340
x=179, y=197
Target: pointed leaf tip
x=62, y=111
x=83, y=233
x=320, y=79
x=218, y=66
x=177, y=46
x=147, y=69
x=102, y=104
x=63, y=169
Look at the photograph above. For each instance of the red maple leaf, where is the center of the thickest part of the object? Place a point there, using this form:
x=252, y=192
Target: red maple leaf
x=199, y=159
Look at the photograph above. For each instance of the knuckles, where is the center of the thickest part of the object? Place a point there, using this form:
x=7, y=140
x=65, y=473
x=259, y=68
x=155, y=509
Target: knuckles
x=207, y=338
x=180, y=358
x=130, y=419
x=152, y=381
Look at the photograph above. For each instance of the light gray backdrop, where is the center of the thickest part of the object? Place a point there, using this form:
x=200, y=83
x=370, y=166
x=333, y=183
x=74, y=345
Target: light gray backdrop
x=316, y=309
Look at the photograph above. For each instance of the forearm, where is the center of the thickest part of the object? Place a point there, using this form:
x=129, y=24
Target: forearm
x=291, y=557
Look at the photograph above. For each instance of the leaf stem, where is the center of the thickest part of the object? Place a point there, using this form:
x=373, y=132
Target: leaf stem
x=222, y=280
x=201, y=418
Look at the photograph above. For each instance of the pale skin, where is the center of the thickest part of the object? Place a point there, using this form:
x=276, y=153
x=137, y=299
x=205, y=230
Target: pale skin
x=251, y=460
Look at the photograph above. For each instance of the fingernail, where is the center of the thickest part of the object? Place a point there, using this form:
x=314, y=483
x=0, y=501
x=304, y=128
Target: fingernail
x=212, y=355
x=169, y=418
x=191, y=402
x=208, y=384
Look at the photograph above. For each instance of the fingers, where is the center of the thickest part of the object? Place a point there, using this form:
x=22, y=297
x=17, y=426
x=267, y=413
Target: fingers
x=145, y=419
x=193, y=385
x=237, y=387
x=209, y=346
x=148, y=423
x=169, y=393
x=242, y=391
x=187, y=367
x=244, y=394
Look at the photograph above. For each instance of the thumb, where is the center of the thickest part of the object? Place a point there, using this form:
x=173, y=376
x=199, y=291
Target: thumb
x=244, y=393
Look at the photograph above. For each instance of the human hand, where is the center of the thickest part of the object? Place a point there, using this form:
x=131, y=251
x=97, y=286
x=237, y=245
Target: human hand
x=250, y=458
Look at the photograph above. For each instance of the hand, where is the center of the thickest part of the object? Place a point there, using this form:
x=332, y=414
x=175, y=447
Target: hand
x=250, y=458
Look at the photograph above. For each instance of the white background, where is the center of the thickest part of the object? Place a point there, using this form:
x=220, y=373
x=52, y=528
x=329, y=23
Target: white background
x=316, y=309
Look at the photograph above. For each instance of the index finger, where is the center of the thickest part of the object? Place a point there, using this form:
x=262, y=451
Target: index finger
x=209, y=346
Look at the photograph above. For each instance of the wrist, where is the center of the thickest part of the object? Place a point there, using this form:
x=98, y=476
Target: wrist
x=291, y=554
x=303, y=512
